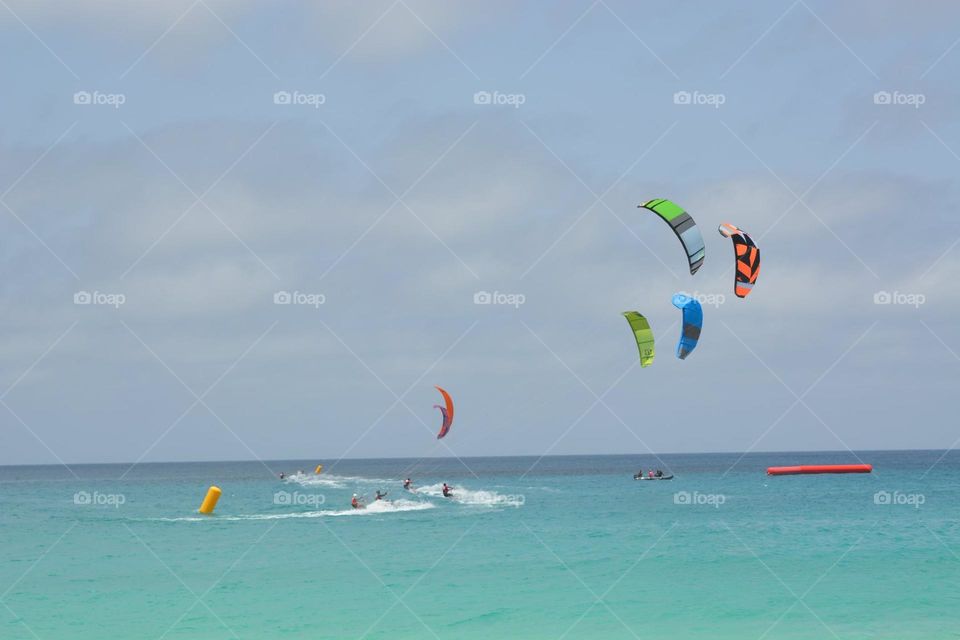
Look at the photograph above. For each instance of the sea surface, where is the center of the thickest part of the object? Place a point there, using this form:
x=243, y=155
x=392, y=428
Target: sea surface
x=560, y=547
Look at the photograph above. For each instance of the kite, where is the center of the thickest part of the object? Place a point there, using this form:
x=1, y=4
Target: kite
x=644, y=336
x=748, y=259
x=692, y=323
x=684, y=226
x=446, y=411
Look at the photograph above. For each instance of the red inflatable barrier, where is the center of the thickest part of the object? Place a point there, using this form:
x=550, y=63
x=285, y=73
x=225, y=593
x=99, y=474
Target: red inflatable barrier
x=819, y=468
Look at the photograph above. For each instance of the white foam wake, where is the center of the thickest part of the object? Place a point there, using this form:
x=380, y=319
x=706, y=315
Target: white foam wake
x=462, y=495
x=332, y=481
x=376, y=507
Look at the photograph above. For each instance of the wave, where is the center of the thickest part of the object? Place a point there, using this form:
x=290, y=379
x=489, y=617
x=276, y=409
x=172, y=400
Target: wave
x=545, y=489
x=374, y=508
x=332, y=481
x=466, y=496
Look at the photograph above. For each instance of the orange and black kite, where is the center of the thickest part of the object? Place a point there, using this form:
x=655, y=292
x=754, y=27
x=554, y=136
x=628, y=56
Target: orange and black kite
x=748, y=259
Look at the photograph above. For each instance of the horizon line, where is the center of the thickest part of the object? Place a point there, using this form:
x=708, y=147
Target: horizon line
x=529, y=455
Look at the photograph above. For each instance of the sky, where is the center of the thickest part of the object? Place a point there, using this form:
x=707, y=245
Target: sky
x=172, y=173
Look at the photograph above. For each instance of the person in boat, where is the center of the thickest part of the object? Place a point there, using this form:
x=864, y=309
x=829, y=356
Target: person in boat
x=355, y=502
x=650, y=473
x=659, y=473
x=408, y=485
x=447, y=492
x=381, y=496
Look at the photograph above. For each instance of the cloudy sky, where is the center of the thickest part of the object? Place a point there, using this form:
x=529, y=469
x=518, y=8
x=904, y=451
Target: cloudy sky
x=178, y=165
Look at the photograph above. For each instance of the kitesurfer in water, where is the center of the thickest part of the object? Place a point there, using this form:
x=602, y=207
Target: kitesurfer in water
x=282, y=475
x=447, y=493
x=408, y=485
x=355, y=502
x=380, y=496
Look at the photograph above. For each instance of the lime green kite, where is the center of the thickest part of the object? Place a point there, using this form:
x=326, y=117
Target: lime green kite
x=643, y=334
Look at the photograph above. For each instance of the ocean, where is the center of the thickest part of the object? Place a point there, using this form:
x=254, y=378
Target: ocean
x=560, y=547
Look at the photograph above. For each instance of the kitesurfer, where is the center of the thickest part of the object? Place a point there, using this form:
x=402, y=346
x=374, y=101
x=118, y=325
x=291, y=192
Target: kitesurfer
x=447, y=493
x=380, y=496
x=282, y=475
x=355, y=502
x=407, y=484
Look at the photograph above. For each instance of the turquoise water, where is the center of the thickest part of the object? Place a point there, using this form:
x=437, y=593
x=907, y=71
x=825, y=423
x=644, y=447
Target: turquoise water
x=573, y=548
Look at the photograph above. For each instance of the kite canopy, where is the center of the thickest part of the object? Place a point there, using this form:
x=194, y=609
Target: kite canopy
x=644, y=336
x=748, y=259
x=684, y=226
x=446, y=411
x=692, y=323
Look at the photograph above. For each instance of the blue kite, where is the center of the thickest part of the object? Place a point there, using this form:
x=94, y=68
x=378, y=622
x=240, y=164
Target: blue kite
x=692, y=323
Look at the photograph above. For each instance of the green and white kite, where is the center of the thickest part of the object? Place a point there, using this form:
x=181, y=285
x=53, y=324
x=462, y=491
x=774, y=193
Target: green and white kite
x=684, y=226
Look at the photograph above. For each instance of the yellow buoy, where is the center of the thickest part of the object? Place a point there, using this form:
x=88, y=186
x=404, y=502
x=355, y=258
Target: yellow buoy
x=210, y=502
x=319, y=469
